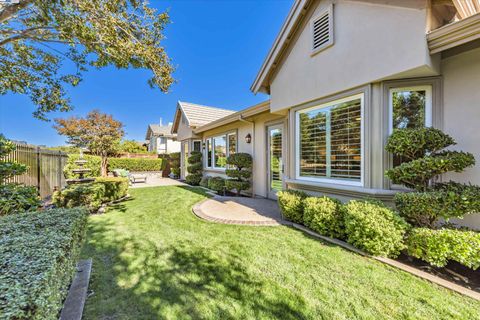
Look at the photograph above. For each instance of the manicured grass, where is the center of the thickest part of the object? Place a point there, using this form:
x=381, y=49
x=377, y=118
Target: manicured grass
x=152, y=259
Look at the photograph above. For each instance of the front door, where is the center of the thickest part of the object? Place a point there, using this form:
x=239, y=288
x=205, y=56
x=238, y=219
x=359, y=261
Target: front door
x=275, y=160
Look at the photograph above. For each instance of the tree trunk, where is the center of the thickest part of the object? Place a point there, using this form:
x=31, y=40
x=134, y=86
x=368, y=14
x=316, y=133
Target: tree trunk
x=104, y=164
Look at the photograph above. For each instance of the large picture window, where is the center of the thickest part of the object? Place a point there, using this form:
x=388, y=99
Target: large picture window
x=410, y=107
x=329, y=141
x=219, y=148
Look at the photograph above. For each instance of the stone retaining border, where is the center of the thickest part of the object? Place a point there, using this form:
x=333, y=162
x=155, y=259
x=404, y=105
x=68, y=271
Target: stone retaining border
x=77, y=294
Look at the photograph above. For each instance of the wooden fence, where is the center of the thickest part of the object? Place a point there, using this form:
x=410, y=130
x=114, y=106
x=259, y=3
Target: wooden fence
x=45, y=168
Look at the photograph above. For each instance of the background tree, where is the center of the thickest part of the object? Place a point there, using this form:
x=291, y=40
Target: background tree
x=98, y=132
x=37, y=36
x=132, y=146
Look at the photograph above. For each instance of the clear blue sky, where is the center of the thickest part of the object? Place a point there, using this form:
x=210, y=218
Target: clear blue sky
x=217, y=47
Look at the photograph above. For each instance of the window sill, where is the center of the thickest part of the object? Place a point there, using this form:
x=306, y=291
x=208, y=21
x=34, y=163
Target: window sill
x=342, y=190
x=220, y=170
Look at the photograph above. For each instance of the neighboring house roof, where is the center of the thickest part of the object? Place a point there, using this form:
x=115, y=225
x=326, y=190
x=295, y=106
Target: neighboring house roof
x=158, y=130
x=239, y=115
x=197, y=115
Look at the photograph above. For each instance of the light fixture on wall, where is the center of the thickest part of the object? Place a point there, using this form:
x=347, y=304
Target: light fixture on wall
x=248, y=138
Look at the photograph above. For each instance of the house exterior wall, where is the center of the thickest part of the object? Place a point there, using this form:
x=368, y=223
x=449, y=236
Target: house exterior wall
x=461, y=84
x=371, y=43
x=257, y=148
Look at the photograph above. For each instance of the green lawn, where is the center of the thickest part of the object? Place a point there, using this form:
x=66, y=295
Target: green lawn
x=153, y=259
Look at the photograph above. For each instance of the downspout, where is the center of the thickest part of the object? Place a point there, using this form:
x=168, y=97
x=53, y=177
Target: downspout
x=240, y=118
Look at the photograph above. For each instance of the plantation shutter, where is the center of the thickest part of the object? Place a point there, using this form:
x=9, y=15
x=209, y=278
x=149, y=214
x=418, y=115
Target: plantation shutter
x=330, y=142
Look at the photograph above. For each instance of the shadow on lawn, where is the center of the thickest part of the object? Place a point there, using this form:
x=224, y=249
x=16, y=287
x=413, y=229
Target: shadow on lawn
x=173, y=281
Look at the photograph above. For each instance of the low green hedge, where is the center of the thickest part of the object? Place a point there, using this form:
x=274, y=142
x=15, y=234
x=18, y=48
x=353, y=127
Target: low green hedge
x=375, y=228
x=437, y=247
x=291, y=204
x=325, y=216
x=16, y=198
x=216, y=184
x=38, y=255
x=136, y=164
x=94, y=162
x=91, y=195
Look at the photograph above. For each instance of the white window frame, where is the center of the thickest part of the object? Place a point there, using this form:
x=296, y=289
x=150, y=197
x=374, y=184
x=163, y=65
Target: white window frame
x=428, y=104
x=212, y=144
x=360, y=183
x=329, y=11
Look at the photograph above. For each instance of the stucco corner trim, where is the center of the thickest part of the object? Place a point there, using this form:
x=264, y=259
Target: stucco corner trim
x=454, y=34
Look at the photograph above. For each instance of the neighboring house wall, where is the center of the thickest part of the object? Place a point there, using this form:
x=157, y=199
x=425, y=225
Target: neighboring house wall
x=173, y=146
x=371, y=42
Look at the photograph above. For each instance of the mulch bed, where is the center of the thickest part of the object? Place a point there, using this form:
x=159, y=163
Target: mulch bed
x=453, y=272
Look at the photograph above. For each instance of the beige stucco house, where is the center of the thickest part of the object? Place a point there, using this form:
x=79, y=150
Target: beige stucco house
x=341, y=76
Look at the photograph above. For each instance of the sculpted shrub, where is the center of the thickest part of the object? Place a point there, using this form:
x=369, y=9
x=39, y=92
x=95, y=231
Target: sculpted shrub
x=216, y=184
x=240, y=172
x=195, y=168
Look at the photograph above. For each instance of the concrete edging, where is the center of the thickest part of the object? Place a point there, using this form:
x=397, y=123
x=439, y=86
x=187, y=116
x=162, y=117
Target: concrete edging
x=416, y=272
x=77, y=294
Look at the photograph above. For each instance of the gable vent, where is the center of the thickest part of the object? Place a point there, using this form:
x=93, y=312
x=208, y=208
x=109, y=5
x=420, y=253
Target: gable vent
x=322, y=31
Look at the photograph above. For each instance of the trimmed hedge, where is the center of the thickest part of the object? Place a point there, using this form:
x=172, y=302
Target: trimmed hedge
x=291, y=204
x=16, y=198
x=38, y=256
x=216, y=184
x=375, y=228
x=136, y=164
x=325, y=216
x=437, y=247
x=94, y=164
x=91, y=195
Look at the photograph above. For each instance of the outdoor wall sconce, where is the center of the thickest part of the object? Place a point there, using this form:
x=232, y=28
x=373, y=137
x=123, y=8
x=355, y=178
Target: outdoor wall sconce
x=248, y=138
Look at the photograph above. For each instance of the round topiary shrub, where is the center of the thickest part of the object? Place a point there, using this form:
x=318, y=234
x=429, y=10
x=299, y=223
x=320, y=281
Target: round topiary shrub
x=375, y=228
x=240, y=172
x=195, y=168
x=291, y=204
x=217, y=184
x=325, y=216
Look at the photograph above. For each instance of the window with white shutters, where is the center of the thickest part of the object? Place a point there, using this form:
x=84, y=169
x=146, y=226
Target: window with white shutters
x=330, y=141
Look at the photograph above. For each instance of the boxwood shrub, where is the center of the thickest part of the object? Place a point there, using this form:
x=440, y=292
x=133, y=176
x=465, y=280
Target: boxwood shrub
x=216, y=184
x=291, y=204
x=437, y=247
x=175, y=163
x=194, y=168
x=38, y=255
x=375, y=228
x=325, y=216
x=91, y=195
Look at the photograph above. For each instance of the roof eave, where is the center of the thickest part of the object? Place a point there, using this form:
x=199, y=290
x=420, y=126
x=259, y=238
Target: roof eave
x=283, y=38
x=454, y=34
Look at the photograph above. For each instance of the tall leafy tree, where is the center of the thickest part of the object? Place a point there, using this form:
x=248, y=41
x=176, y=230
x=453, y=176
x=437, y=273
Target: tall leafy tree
x=98, y=132
x=37, y=37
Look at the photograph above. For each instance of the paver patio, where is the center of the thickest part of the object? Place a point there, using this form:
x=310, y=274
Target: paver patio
x=240, y=210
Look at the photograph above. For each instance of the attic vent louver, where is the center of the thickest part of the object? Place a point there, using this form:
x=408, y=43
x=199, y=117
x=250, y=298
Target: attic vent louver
x=322, y=32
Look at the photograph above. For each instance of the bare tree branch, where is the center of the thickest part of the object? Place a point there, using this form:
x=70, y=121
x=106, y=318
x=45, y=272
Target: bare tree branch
x=8, y=11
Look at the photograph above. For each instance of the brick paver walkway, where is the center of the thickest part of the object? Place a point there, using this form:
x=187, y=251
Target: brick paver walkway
x=240, y=210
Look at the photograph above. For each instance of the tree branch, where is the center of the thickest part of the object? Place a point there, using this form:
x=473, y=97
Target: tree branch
x=7, y=11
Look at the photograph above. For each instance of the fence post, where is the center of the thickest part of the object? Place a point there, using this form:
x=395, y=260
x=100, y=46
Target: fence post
x=38, y=170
